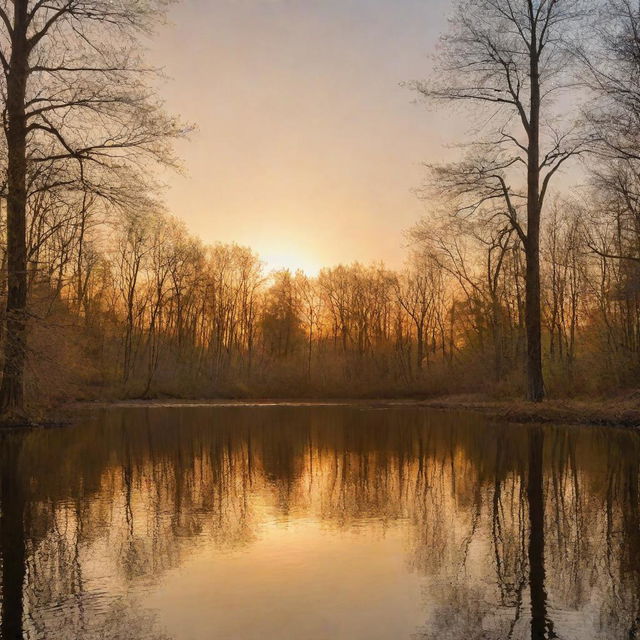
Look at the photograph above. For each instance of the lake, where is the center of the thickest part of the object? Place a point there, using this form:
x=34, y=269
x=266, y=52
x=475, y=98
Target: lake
x=314, y=523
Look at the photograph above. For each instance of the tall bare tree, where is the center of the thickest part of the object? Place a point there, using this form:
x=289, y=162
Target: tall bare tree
x=511, y=56
x=76, y=100
x=612, y=59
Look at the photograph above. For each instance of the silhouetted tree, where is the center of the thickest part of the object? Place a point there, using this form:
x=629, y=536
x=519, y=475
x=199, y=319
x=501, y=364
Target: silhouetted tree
x=510, y=55
x=77, y=105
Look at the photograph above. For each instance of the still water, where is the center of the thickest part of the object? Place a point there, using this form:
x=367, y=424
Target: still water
x=314, y=523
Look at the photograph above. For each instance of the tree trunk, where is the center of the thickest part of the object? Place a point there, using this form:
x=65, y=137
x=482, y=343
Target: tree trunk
x=535, y=382
x=12, y=388
x=497, y=339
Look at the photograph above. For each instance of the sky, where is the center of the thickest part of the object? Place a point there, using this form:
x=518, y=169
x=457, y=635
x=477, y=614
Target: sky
x=307, y=147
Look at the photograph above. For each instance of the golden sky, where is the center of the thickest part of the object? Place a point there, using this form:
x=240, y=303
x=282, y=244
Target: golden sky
x=307, y=148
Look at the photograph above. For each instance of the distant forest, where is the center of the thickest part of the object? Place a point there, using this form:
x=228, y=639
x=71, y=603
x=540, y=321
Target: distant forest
x=522, y=278
x=152, y=312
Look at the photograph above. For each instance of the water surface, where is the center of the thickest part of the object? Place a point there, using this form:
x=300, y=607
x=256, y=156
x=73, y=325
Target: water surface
x=313, y=523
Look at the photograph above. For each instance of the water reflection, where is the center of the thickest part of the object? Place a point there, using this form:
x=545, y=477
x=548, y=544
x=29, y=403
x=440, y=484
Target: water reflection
x=376, y=524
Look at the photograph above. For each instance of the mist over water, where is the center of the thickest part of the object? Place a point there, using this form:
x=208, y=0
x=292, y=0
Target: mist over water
x=318, y=522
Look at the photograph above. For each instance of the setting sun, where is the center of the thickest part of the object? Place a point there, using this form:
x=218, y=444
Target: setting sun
x=293, y=261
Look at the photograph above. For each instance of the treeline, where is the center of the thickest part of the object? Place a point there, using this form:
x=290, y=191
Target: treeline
x=523, y=277
x=134, y=306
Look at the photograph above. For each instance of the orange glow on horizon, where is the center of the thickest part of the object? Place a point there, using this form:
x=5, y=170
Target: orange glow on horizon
x=281, y=259
x=301, y=153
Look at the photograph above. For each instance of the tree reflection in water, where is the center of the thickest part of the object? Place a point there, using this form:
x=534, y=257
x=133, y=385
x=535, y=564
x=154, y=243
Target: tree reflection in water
x=12, y=538
x=515, y=532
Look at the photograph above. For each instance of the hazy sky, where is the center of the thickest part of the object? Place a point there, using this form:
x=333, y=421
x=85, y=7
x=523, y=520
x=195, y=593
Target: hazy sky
x=307, y=147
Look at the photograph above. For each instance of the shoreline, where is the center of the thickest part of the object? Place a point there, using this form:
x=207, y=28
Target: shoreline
x=622, y=412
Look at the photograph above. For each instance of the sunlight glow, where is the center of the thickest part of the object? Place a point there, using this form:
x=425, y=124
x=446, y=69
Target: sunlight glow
x=290, y=259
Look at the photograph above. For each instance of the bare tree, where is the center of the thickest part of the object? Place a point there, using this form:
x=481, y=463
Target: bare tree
x=75, y=101
x=310, y=310
x=612, y=62
x=416, y=293
x=511, y=56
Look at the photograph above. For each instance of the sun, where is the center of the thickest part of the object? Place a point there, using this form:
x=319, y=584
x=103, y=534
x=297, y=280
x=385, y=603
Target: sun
x=292, y=260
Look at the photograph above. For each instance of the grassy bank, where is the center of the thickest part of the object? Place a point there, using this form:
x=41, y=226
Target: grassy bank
x=616, y=412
